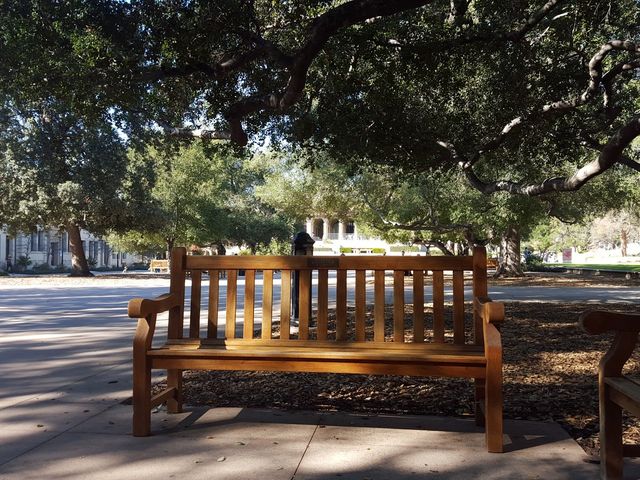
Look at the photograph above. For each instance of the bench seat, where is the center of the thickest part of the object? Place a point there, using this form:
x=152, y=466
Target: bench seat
x=452, y=360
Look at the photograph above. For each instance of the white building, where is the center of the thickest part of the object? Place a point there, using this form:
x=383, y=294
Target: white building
x=51, y=247
x=341, y=236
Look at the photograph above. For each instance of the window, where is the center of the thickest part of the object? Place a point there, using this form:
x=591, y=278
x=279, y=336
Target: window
x=34, y=242
x=42, y=244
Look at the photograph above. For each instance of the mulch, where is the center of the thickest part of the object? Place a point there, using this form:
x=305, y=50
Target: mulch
x=550, y=374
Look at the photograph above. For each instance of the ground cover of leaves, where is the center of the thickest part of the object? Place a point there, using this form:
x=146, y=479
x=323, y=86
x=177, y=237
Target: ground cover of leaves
x=550, y=373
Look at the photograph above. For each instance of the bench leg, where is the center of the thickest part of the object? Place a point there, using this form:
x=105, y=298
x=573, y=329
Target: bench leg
x=493, y=409
x=174, y=379
x=611, y=454
x=479, y=402
x=141, y=396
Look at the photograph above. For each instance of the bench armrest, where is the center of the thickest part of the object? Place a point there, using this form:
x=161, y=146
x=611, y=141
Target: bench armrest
x=599, y=321
x=490, y=311
x=143, y=307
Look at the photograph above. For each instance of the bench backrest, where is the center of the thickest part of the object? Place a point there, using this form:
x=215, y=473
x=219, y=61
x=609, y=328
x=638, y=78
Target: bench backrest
x=359, y=281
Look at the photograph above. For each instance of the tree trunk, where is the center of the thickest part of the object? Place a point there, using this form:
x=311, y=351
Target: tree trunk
x=624, y=241
x=79, y=264
x=170, y=244
x=509, y=262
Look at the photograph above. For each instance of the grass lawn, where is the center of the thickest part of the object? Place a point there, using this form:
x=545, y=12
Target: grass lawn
x=620, y=267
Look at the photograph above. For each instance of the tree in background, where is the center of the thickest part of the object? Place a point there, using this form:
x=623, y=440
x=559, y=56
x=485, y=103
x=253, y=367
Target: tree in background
x=58, y=171
x=201, y=194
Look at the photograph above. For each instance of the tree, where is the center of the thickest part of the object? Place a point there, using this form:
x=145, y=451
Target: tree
x=59, y=171
x=615, y=228
x=201, y=194
x=414, y=82
x=525, y=98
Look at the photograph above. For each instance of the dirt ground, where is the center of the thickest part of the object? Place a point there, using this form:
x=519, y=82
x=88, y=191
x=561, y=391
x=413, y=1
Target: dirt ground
x=550, y=373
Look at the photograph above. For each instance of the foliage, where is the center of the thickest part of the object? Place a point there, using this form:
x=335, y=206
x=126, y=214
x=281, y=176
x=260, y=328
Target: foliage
x=275, y=247
x=23, y=261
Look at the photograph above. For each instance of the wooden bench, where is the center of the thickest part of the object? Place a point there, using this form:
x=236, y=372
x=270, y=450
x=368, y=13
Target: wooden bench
x=616, y=391
x=443, y=343
x=159, y=265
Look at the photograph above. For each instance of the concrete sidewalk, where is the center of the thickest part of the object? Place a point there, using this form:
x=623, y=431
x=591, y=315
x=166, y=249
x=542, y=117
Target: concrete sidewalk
x=83, y=431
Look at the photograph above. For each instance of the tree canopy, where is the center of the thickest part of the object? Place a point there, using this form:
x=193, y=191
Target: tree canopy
x=523, y=97
x=531, y=98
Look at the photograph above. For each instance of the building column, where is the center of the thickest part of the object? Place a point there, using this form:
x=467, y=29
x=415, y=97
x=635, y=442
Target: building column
x=342, y=228
x=309, y=226
x=325, y=229
x=355, y=231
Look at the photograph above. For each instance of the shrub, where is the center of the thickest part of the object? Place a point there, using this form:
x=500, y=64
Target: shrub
x=346, y=250
x=378, y=250
x=42, y=268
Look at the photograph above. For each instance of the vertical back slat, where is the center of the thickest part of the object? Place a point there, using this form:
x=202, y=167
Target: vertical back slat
x=249, y=302
x=361, y=303
x=194, y=315
x=305, y=304
x=378, y=308
x=341, y=305
x=323, y=303
x=398, y=306
x=232, y=285
x=438, y=306
x=267, y=303
x=285, y=305
x=458, y=307
x=176, y=315
x=479, y=290
x=212, y=318
x=418, y=306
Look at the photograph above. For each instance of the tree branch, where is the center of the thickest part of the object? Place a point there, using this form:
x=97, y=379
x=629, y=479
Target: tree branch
x=611, y=153
x=322, y=29
x=457, y=7
x=596, y=78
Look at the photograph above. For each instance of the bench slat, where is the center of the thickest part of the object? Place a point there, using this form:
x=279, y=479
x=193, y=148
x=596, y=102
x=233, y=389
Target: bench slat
x=378, y=309
x=212, y=317
x=240, y=343
x=398, y=306
x=230, y=324
x=361, y=303
x=205, y=262
x=458, y=306
x=305, y=304
x=249, y=300
x=267, y=303
x=438, y=306
x=382, y=367
x=285, y=304
x=323, y=304
x=470, y=357
x=418, y=306
x=479, y=290
x=341, y=305
x=194, y=314
x=625, y=393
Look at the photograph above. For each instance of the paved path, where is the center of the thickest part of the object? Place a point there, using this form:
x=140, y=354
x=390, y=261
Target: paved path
x=65, y=354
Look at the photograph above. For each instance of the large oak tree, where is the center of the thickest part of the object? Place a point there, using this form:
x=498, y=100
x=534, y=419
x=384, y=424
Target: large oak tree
x=531, y=98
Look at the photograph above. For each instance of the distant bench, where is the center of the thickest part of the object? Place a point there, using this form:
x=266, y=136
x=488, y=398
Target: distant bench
x=450, y=346
x=159, y=266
